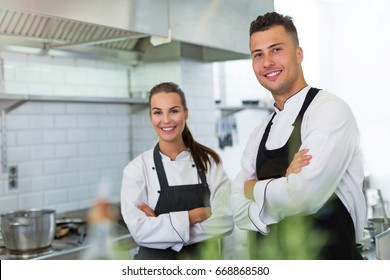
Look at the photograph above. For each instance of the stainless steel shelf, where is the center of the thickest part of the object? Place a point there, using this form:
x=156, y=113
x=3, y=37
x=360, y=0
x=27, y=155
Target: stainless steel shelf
x=9, y=102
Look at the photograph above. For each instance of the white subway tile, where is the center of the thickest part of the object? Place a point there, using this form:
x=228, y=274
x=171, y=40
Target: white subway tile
x=87, y=121
x=18, y=154
x=11, y=138
x=42, y=152
x=54, y=108
x=88, y=149
x=78, y=165
x=54, y=166
x=30, y=168
x=43, y=183
x=89, y=177
x=54, y=136
x=76, y=135
x=29, y=137
x=107, y=148
x=67, y=180
x=61, y=208
x=32, y=200
x=56, y=196
x=17, y=122
x=65, y=121
x=107, y=120
x=66, y=151
x=94, y=134
x=9, y=203
x=79, y=192
x=41, y=121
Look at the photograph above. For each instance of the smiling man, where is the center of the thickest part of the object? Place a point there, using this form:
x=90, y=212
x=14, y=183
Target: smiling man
x=303, y=163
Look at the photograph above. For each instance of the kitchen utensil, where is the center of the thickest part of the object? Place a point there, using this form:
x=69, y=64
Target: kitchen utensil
x=376, y=226
x=28, y=230
x=382, y=246
x=386, y=220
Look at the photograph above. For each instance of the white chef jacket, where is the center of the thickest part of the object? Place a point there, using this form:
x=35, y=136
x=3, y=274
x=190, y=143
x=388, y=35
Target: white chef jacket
x=330, y=132
x=172, y=230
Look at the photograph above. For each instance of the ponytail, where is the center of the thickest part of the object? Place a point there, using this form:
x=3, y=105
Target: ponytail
x=199, y=152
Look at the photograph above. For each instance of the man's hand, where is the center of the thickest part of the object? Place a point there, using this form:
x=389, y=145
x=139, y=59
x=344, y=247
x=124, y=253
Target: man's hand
x=300, y=160
x=249, y=187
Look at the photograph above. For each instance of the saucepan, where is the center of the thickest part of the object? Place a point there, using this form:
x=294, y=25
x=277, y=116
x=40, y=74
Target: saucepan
x=28, y=230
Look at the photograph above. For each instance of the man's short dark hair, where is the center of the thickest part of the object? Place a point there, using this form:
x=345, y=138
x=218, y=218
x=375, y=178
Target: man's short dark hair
x=268, y=20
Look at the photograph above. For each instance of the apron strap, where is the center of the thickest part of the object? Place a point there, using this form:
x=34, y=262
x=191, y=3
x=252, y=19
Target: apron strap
x=162, y=178
x=309, y=98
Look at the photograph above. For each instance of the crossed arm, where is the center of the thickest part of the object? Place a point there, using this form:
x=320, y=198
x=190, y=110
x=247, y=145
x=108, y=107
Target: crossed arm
x=300, y=160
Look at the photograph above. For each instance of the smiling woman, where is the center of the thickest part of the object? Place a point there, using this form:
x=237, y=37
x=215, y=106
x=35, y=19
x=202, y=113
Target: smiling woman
x=174, y=197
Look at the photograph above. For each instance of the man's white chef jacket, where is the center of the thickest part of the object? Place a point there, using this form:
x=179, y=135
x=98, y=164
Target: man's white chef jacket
x=330, y=132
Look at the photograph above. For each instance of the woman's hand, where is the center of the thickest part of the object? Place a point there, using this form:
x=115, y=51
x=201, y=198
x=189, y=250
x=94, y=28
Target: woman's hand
x=146, y=209
x=300, y=160
x=198, y=215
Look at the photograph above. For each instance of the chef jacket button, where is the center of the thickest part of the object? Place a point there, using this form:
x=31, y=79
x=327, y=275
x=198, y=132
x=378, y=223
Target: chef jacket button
x=193, y=165
x=153, y=168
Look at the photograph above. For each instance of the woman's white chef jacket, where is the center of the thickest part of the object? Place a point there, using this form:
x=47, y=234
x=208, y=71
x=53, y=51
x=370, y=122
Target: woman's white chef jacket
x=330, y=132
x=172, y=230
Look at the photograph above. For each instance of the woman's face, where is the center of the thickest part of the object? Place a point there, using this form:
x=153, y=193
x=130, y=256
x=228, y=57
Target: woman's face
x=168, y=116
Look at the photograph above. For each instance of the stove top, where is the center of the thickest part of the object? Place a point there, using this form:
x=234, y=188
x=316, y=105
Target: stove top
x=56, y=247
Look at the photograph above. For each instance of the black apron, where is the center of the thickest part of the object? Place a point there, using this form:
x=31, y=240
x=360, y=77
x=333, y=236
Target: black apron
x=332, y=225
x=179, y=198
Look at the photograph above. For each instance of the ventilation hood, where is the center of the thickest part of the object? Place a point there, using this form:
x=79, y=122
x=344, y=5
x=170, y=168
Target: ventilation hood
x=130, y=31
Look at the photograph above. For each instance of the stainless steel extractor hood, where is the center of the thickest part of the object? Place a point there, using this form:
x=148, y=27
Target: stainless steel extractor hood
x=130, y=30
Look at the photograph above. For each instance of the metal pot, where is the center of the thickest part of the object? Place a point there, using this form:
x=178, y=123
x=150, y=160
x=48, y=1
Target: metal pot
x=28, y=230
x=376, y=226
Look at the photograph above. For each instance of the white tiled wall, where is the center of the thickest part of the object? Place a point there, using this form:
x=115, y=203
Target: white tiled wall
x=63, y=150
x=58, y=76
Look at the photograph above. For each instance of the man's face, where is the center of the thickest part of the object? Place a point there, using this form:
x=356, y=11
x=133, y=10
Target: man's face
x=276, y=61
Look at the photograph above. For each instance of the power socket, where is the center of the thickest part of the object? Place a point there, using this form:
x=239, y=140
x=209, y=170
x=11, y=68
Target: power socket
x=13, y=177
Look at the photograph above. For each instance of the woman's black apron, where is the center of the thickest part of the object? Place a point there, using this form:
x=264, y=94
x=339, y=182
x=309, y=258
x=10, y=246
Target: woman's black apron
x=179, y=198
x=332, y=225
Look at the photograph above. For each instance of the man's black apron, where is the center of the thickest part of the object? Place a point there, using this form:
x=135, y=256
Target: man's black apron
x=332, y=225
x=179, y=198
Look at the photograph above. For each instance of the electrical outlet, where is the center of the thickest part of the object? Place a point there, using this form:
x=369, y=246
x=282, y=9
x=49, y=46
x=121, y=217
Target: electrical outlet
x=13, y=177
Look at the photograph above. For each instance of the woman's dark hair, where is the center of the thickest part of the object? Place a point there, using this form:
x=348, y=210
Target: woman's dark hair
x=268, y=20
x=199, y=152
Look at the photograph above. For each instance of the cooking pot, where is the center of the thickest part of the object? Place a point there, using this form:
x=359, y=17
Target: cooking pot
x=28, y=230
x=376, y=226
